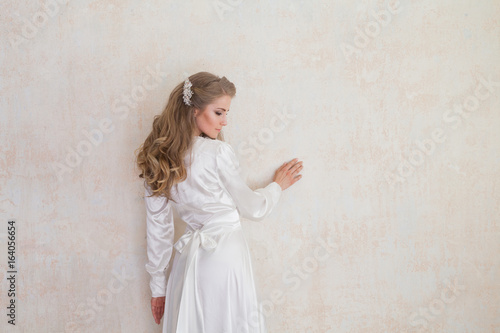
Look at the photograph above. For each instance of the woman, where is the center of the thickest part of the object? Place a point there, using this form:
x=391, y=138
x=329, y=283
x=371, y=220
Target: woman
x=186, y=164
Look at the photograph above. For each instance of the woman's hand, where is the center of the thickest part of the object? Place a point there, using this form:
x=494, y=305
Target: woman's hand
x=157, y=307
x=288, y=173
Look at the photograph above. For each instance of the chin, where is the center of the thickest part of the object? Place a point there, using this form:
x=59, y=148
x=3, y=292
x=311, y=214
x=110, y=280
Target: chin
x=212, y=136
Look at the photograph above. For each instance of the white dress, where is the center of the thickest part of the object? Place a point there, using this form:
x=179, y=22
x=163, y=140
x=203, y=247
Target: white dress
x=211, y=287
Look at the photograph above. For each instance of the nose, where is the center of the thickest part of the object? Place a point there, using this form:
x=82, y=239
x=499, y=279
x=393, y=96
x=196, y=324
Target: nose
x=224, y=121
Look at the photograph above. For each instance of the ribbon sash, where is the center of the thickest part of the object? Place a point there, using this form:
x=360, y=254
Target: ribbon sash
x=190, y=310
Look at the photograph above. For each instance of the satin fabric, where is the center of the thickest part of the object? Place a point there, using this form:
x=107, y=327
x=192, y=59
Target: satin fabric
x=211, y=288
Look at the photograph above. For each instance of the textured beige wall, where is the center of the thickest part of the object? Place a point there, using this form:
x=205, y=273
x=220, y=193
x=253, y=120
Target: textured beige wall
x=394, y=226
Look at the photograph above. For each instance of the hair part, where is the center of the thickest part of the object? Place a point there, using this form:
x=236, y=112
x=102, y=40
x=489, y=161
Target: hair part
x=161, y=157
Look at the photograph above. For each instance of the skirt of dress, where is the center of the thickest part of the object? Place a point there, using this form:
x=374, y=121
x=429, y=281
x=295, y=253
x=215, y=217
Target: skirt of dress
x=211, y=288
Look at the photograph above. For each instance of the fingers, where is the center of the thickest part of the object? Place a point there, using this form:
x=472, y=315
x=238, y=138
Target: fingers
x=289, y=164
x=290, y=170
x=158, y=313
x=298, y=164
x=287, y=173
x=157, y=308
x=295, y=169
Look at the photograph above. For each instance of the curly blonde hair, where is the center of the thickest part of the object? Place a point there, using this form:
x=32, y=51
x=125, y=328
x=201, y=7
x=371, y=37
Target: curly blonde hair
x=161, y=157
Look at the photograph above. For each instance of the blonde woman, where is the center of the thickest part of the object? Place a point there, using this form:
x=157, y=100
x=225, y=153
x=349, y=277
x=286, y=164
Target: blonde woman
x=188, y=167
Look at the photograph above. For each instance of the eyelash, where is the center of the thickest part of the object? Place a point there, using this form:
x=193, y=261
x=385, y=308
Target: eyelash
x=220, y=113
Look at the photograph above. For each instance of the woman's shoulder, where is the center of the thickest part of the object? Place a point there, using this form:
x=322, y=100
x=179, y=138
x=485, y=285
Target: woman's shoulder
x=217, y=153
x=212, y=146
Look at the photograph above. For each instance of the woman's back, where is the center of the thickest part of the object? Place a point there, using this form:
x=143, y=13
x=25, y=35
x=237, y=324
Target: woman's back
x=214, y=190
x=212, y=272
x=210, y=288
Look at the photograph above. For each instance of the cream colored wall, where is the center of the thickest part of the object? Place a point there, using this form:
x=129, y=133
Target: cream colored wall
x=394, y=226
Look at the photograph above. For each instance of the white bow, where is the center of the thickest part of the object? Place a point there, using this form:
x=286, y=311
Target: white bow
x=188, y=245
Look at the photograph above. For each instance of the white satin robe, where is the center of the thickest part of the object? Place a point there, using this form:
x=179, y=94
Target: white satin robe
x=211, y=287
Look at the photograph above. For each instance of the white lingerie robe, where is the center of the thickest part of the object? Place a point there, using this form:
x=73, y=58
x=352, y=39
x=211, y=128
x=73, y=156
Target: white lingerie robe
x=211, y=287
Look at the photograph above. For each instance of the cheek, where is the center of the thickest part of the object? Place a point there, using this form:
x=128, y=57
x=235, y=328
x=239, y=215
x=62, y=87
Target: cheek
x=209, y=120
x=212, y=120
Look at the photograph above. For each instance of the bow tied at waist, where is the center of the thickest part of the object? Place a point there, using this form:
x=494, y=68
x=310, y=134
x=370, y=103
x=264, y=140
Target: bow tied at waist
x=188, y=245
x=204, y=239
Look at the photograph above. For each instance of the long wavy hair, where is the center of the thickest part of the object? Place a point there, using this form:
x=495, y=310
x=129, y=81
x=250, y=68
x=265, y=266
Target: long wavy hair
x=161, y=157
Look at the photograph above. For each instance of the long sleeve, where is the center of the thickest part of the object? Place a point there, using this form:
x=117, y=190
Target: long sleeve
x=160, y=238
x=253, y=205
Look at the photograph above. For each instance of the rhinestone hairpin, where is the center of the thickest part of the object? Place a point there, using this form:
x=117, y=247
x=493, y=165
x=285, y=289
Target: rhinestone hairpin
x=187, y=93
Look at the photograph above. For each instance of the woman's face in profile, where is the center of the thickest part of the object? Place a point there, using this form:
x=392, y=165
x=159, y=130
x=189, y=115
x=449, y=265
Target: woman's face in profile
x=214, y=117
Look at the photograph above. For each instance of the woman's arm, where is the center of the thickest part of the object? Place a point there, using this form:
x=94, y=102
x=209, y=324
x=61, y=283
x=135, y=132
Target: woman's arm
x=160, y=237
x=252, y=204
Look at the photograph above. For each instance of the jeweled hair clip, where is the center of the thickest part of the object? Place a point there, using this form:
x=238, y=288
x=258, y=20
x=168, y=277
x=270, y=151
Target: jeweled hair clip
x=187, y=93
